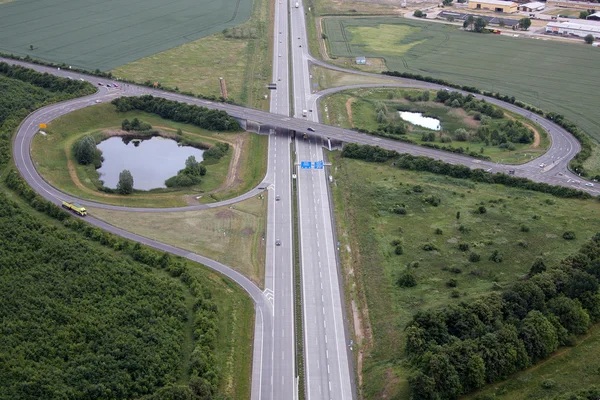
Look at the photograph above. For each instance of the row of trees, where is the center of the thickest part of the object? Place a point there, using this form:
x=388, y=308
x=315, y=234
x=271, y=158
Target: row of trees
x=420, y=163
x=67, y=87
x=586, y=145
x=460, y=348
x=179, y=112
x=203, y=370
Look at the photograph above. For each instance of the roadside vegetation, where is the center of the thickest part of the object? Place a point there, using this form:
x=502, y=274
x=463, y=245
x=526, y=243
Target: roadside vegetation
x=91, y=315
x=466, y=125
x=233, y=235
x=415, y=49
x=225, y=175
x=240, y=55
x=415, y=241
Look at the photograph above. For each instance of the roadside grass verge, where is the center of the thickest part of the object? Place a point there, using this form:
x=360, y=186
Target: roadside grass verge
x=55, y=162
x=326, y=78
x=443, y=51
x=520, y=224
x=241, y=58
x=232, y=235
x=363, y=103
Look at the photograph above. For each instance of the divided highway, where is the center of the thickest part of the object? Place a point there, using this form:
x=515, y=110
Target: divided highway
x=328, y=363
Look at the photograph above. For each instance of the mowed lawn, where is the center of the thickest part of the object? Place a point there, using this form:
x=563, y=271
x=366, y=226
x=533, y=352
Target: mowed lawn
x=105, y=34
x=551, y=75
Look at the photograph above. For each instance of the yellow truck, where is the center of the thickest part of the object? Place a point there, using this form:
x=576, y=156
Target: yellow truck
x=76, y=208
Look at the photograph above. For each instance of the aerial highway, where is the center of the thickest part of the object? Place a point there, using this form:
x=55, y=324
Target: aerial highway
x=329, y=373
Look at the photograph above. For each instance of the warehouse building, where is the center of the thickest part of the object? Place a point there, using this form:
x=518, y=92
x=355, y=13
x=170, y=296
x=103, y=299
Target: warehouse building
x=531, y=7
x=594, y=17
x=494, y=5
x=580, y=29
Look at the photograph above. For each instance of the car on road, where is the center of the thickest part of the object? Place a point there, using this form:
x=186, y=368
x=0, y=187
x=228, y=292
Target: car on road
x=115, y=85
x=542, y=165
x=589, y=184
x=310, y=129
x=277, y=198
x=98, y=101
x=108, y=85
x=99, y=83
x=278, y=242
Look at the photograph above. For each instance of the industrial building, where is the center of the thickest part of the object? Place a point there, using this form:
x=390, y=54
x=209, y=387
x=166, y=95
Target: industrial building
x=361, y=60
x=580, y=29
x=531, y=7
x=499, y=20
x=494, y=5
x=594, y=17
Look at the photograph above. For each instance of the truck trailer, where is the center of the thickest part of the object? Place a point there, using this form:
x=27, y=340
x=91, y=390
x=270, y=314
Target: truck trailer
x=297, y=5
x=76, y=208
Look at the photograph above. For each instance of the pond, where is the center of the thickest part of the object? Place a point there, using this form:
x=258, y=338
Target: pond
x=418, y=119
x=150, y=161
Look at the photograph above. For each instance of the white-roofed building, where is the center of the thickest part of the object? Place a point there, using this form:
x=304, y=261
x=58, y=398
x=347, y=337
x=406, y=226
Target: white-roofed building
x=494, y=5
x=533, y=6
x=594, y=17
x=580, y=29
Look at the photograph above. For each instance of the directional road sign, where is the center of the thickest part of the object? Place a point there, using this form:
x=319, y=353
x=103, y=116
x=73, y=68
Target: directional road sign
x=305, y=164
x=318, y=165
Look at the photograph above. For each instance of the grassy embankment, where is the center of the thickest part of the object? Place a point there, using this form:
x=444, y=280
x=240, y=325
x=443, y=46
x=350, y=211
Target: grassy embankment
x=232, y=235
x=520, y=224
x=242, y=59
x=444, y=51
x=362, y=105
x=56, y=164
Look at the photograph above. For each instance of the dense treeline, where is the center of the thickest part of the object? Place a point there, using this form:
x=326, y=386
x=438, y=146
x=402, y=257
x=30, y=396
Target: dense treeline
x=79, y=322
x=204, y=376
x=24, y=90
x=460, y=348
x=179, y=112
x=420, y=163
x=586, y=145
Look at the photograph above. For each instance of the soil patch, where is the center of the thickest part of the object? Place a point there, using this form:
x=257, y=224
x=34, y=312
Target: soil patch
x=225, y=214
x=349, y=110
x=248, y=231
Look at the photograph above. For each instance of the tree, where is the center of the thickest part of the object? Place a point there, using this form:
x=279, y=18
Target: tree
x=85, y=150
x=418, y=14
x=469, y=22
x=479, y=24
x=537, y=267
x=589, y=39
x=524, y=23
x=406, y=279
x=570, y=314
x=30, y=47
x=538, y=335
x=193, y=167
x=583, y=14
x=447, y=2
x=125, y=185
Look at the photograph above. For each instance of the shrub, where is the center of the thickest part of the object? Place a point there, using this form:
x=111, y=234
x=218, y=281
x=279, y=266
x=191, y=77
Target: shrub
x=418, y=14
x=496, y=256
x=548, y=383
x=429, y=247
x=463, y=246
x=406, y=279
x=523, y=244
x=455, y=270
x=396, y=242
x=398, y=250
x=474, y=257
x=463, y=229
x=452, y=282
x=438, y=231
x=481, y=210
x=418, y=189
x=432, y=200
x=569, y=235
x=524, y=228
x=455, y=294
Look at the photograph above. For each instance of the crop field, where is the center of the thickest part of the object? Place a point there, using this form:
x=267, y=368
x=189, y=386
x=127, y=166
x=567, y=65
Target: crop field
x=104, y=35
x=519, y=224
x=550, y=75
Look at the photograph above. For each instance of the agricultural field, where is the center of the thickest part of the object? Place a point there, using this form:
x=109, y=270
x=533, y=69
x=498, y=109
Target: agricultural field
x=551, y=75
x=92, y=35
x=376, y=109
x=239, y=55
x=231, y=175
x=450, y=232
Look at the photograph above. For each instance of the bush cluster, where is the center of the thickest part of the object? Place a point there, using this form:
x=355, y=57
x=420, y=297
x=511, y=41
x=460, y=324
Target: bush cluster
x=460, y=348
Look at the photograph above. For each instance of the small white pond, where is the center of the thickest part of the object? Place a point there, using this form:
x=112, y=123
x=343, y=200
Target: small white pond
x=418, y=119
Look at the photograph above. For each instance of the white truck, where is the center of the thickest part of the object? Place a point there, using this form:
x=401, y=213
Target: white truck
x=297, y=5
x=304, y=113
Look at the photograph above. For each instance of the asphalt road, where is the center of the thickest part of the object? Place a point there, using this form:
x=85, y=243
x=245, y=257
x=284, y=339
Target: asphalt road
x=329, y=373
x=272, y=329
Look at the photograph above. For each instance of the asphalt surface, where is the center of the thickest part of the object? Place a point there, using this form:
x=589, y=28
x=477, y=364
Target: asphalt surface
x=273, y=364
x=329, y=373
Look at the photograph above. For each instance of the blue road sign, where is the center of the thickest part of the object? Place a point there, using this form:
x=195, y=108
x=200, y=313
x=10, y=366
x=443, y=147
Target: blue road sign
x=305, y=164
x=318, y=165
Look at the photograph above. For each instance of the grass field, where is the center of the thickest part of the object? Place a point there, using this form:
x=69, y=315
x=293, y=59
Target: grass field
x=363, y=114
x=242, y=60
x=571, y=12
x=520, y=224
x=93, y=35
x=551, y=75
x=232, y=235
x=327, y=78
x=52, y=154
